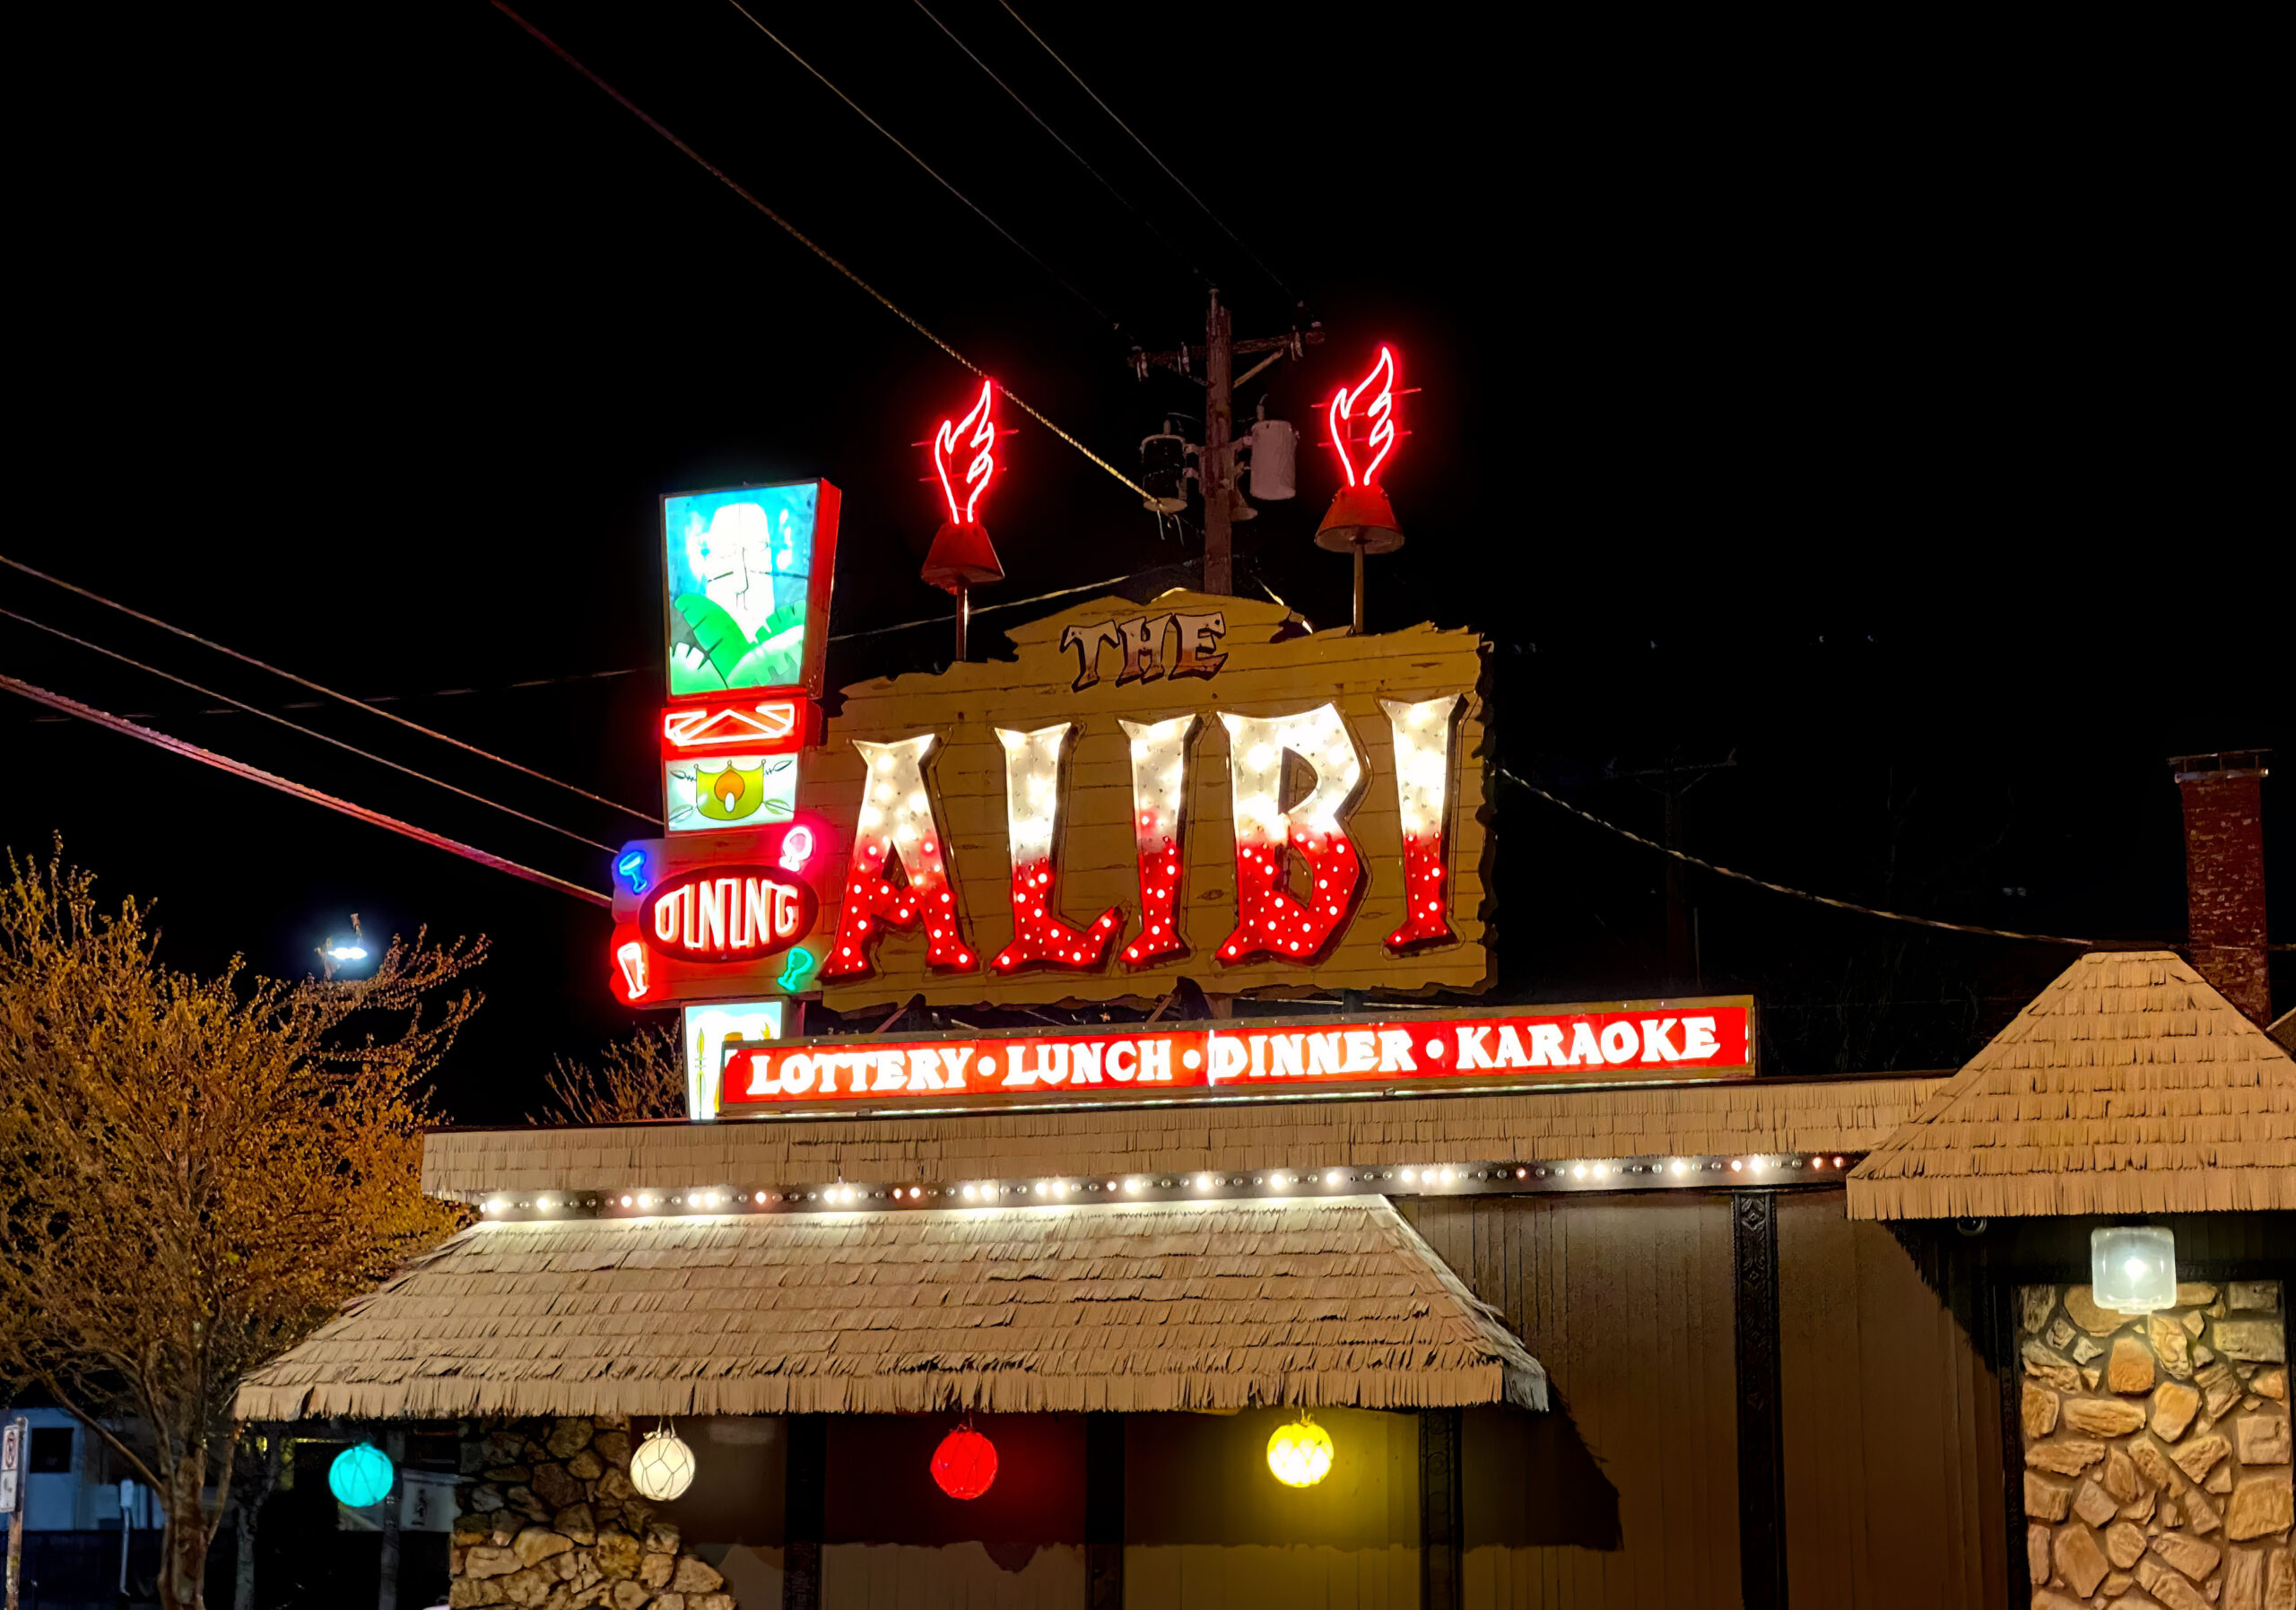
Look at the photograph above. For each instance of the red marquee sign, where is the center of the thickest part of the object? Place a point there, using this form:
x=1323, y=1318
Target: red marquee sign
x=1566, y=1045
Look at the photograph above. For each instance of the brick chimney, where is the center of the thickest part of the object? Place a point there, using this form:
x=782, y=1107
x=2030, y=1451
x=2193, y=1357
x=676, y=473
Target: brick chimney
x=2224, y=873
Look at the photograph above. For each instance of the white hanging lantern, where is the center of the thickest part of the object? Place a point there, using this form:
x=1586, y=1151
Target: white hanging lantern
x=2132, y=1268
x=663, y=1466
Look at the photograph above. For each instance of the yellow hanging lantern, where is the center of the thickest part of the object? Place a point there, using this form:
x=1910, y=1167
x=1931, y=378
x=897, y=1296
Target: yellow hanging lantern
x=1299, y=1454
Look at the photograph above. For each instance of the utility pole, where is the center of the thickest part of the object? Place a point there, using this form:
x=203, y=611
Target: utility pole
x=1674, y=779
x=1216, y=469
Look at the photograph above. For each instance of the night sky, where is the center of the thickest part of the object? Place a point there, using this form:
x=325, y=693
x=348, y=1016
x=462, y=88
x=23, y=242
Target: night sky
x=1868, y=407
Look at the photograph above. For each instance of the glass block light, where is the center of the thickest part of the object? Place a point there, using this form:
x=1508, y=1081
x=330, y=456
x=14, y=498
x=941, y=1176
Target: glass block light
x=2132, y=1268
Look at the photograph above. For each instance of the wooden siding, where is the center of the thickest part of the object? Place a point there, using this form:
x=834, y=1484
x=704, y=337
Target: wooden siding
x=1207, y=1528
x=1893, y=1422
x=1624, y=1496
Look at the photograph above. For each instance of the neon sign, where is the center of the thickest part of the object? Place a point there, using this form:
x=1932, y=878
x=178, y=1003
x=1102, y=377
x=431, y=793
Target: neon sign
x=1372, y=402
x=777, y=726
x=719, y=917
x=727, y=914
x=1609, y=1043
x=977, y=433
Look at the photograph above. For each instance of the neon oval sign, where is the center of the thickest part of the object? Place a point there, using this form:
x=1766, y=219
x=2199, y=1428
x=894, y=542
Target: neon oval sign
x=728, y=913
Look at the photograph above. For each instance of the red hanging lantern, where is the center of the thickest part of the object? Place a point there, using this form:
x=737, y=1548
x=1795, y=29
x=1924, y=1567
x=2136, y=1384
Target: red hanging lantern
x=965, y=1464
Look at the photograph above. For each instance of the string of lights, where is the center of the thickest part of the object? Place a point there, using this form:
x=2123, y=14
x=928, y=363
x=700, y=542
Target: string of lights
x=815, y=247
x=645, y=816
x=1746, y=877
x=1257, y=260
x=306, y=732
x=1652, y=1171
x=938, y=177
x=1121, y=199
x=224, y=763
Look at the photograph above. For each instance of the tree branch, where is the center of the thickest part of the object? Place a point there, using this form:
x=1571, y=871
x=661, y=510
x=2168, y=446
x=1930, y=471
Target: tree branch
x=48, y=1379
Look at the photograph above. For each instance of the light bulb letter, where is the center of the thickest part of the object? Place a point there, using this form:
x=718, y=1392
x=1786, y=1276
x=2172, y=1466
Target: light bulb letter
x=896, y=824
x=1423, y=755
x=1268, y=919
x=1159, y=801
x=1032, y=826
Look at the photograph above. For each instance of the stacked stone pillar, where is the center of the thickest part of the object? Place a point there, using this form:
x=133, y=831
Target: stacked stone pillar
x=549, y=1520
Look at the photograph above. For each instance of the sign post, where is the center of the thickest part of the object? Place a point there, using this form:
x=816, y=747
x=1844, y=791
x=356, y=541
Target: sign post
x=13, y=1444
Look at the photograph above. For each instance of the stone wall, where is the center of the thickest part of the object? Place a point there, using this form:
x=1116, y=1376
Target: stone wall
x=549, y=1520
x=2157, y=1450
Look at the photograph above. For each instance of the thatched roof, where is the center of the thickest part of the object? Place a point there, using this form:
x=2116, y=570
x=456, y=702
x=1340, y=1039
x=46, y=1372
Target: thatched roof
x=1178, y=1306
x=1827, y=1115
x=2128, y=1085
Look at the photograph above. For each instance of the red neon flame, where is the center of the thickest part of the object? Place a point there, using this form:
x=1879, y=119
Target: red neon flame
x=976, y=432
x=1379, y=385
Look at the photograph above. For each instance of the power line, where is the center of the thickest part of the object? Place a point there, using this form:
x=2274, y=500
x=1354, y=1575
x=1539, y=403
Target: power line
x=878, y=631
x=222, y=762
x=1122, y=200
x=1824, y=900
x=794, y=233
x=306, y=732
x=645, y=816
x=1152, y=157
x=1013, y=240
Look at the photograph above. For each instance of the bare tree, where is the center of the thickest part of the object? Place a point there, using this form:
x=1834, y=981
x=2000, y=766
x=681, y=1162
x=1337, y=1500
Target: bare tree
x=196, y=1173
x=643, y=1077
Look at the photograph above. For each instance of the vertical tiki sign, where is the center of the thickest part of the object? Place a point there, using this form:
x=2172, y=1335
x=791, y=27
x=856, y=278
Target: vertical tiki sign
x=1196, y=787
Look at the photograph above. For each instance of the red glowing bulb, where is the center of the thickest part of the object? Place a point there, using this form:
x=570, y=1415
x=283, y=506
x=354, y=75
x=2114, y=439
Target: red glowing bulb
x=974, y=433
x=965, y=1464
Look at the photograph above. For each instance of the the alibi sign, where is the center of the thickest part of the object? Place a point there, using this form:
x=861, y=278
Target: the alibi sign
x=1199, y=787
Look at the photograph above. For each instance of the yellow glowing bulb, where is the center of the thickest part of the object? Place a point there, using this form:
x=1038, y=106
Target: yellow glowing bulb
x=1299, y=1454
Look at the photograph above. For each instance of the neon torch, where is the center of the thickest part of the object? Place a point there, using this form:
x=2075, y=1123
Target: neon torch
x=961, y=557
x=1360, y=520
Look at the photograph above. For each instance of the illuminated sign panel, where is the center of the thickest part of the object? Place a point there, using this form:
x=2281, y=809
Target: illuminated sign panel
x=1417, y=1052
x=709, y=1031
x=748, y=571
x=720, y=916
x=1197, y=787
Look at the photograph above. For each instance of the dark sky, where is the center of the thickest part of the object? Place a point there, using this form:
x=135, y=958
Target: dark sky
x=1862, y=400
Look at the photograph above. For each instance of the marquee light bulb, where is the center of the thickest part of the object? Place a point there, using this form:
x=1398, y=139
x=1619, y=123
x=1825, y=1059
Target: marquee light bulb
x=1159, y=800
x=870, y=902
x=1268, y=920
x=1032, y=829
x=1422, y=753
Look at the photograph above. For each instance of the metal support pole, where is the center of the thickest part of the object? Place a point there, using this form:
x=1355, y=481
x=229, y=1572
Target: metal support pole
x=387, y=1590
x=15, y=1553
x=964, y=618
x=1217, y=476
x=1358, y=590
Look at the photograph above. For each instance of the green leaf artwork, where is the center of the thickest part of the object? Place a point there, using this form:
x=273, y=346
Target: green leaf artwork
x=705, y=647
x=774, y=663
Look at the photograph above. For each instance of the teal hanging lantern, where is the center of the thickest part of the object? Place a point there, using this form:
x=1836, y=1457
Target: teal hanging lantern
x=361, y=1476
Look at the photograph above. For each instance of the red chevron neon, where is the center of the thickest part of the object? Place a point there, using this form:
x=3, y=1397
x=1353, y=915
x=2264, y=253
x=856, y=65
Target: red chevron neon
x=776, y=727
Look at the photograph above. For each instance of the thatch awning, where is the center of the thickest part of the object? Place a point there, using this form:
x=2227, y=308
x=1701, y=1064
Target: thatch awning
x=1710, y=1117
x=2128, y=1085
x=1175, y=1306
